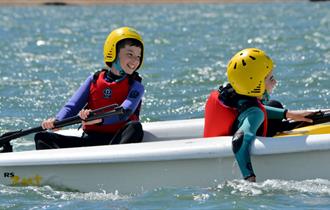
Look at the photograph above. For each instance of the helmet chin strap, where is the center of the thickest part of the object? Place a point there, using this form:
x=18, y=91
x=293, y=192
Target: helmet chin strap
x=119, y=68
x=265, y=97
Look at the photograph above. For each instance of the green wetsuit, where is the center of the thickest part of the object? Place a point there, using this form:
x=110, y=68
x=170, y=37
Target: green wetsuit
x=248, y=123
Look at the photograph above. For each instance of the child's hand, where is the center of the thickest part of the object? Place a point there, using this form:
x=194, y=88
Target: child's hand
x=84, y=113
x=48, y=124
x=299, y=116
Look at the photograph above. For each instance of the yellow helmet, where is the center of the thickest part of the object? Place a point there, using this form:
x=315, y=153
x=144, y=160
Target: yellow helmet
x=109, y=49
x=247, y=71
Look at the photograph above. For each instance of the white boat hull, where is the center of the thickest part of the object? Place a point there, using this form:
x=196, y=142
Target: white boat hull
x=188, y=162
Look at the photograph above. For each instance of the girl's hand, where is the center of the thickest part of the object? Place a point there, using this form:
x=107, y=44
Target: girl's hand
x=84, y=113
x=299, y=116
x=48, y=124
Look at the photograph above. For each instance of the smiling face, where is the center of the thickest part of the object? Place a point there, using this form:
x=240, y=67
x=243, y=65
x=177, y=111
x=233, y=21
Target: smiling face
x=130, y=58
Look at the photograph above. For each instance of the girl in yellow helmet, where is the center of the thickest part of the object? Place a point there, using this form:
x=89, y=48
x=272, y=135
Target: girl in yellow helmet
x=118, y=83
x=236, y=108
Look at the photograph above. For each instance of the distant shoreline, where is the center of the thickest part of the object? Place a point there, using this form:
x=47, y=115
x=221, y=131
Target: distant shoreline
x=100, y=2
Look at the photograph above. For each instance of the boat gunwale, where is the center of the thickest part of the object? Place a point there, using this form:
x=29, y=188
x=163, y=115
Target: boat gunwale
x=198, y=148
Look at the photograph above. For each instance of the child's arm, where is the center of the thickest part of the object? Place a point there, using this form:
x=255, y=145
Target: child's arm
x=277, y=113
x=249, y=122
x=76, y=102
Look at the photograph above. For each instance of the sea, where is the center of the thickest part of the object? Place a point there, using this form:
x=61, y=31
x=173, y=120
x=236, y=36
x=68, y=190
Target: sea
x=47, y=52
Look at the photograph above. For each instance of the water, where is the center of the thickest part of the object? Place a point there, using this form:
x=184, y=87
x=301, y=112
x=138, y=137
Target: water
x=47, y=52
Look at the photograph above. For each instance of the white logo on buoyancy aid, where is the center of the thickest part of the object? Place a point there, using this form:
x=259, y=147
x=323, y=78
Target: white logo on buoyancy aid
x=107, y=92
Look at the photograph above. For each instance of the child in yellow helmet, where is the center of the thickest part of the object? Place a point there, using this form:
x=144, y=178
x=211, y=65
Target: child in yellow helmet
x=236, y=109
x=118, y=83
